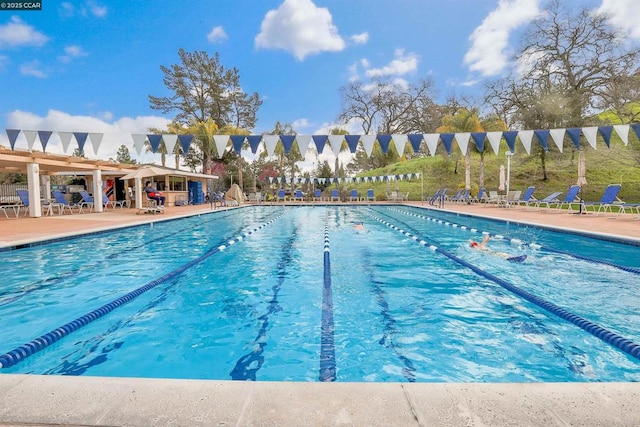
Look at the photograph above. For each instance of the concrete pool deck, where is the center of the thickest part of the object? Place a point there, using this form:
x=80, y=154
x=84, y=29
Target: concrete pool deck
x=98, y=401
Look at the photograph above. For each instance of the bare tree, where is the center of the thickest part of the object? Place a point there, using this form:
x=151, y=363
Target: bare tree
x=385, y=107
x=567, y=65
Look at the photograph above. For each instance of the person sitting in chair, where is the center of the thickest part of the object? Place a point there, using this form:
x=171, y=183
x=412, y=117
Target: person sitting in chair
x=154, y=195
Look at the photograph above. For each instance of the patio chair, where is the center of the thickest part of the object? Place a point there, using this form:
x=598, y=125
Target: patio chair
x=465, y=196
x=298, y=196
x=335, y=195
x=494, y=197
x=354, y=196
x=569, y=200
x=608, y=199
x=23, y=195
x=512, y=199
x=108, y=202
x=61, y=203
x=86, y=202
x=13, y=206
x=370, y=195
x=281, y=196
x=551, y=198
x=527, y=197
x=317, y=195
x=456, y=197
x=480, y=197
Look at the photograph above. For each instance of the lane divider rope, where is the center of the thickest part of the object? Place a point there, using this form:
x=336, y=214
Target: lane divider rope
x=22, y=352
x=627, y=346
x=515, y=241
x=327, y=340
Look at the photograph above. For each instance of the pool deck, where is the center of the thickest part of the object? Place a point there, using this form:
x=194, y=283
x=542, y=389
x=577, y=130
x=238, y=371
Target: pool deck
x=98, y=401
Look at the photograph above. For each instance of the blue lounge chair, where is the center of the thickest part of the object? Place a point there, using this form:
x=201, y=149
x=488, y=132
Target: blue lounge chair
x=527, y=198
x=317, y=195
x=608, y=199
x=370, y=195
x=23, y=195
x=480, y=197
x=335, y=195
x=624, y=208
x=456, y=197
x=298, y=196
x=354, y=196
x=108, y=202
x=281, y=196
x=61, y=203
x=551, y=198
x=465, y=196
x=86, y=202
x=569, y=200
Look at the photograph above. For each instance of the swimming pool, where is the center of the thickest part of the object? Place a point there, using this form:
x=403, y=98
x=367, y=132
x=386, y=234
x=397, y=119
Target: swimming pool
x=296, y=294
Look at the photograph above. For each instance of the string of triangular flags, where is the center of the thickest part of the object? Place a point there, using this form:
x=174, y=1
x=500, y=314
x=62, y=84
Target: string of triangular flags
x=336, y=142
x=347, y=180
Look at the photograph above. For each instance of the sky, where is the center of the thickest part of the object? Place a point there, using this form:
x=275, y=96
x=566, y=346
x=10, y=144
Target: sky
x=90, y=65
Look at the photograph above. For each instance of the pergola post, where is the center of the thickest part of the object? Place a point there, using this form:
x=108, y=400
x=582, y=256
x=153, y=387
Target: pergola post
x=97, y=191
x=33, y=183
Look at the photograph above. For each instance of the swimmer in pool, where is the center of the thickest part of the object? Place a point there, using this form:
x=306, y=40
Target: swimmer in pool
x=359, y=227
x=482, y=246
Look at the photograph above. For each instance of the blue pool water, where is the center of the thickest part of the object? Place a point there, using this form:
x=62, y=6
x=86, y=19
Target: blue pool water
x=296, y=294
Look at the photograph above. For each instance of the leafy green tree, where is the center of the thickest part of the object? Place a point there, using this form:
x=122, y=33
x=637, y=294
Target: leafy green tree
x=124, y=156
x=203, y=93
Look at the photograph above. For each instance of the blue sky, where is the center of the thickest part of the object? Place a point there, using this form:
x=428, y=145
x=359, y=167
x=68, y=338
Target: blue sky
x=89, y=65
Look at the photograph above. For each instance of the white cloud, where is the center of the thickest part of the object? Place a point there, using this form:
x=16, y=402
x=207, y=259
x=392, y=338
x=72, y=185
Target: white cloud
x=401, y=65
x=89, y=7
x=301, y=28
x=360, y=38
x=217, y=35
x=32, y=69
x=623, y=15
x=116, y=133
x=353, y=72
x=16, y=34
x=300, y=124
x=97, y=10
x=72, y=52
x=489, y=41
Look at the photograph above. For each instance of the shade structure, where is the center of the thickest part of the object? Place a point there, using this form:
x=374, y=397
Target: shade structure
x=582, y=169
x=503, y=179
x=145, y=172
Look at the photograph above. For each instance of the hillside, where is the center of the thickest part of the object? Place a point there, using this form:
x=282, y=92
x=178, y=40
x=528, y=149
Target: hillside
x=619, y=164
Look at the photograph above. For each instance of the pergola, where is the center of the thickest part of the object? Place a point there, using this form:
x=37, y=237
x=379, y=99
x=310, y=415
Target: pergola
x=37, y=164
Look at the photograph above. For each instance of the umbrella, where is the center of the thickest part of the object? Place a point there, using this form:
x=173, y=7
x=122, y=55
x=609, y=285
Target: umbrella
x=582, y=169
x=503, y=179
x=145, y=172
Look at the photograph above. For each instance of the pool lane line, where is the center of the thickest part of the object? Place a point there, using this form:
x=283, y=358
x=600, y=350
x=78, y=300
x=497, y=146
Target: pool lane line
x=248, y=365
x=327, y=340
x=60, y=277
x=388, y=331
x=19, y=353
x=511, y=240
x=626, y=345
